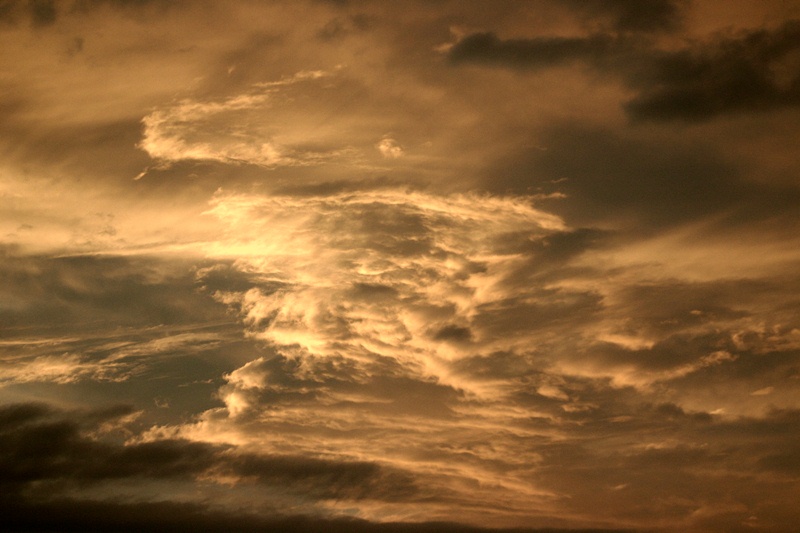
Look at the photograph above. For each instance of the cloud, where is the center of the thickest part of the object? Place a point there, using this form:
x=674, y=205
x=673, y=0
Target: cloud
x=41, y=13
x=120, y=517
x=249, y=128
x=634, y=15
x=466, y=341
x=526, y=53
x=356, y=331
x=752, y=71
x=100, y=357
x=50, y=460
x=46, y=13
x=42, y=445
x=369, y=299
x=389, y=148
x=749, y=71
x=401, y=260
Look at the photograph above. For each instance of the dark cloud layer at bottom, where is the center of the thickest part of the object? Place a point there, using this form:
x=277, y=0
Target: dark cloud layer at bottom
x=70, y=515
x=43, y=449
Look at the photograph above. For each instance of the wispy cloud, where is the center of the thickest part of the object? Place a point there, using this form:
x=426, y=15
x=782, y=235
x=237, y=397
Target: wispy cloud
x=250, y=128
x=117, y=359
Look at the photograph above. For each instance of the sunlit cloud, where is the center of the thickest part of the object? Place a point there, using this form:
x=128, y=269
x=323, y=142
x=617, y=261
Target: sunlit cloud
x=249, y=128
x=389, y=273
x=389, y=148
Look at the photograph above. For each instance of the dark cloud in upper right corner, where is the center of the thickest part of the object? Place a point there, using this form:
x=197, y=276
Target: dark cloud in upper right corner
x=751, y=71
x=737, y=72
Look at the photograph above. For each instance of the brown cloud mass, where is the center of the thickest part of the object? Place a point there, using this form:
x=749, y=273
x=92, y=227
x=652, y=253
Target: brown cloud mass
x=358, y=266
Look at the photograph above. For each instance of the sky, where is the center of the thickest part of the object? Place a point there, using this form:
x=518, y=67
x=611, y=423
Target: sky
x=435, y=266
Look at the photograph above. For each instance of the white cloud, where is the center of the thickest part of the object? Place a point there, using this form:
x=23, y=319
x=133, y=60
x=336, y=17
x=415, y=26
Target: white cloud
x=390, y=149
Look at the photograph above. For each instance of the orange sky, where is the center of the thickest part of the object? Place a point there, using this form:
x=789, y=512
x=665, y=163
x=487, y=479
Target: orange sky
x=300, y=266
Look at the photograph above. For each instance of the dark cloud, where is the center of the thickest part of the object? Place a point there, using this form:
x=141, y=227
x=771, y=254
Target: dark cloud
x=672, y=352
x=42, y=448
x=527, y=53
x=662, y=449
x=42, y=445
x=497, y=365
x=7, y=11
x=373, y=291
x=452, y=332
x=40, y=12
x=225, y=277
x=750, y=71
x=43, y=12
x=558, y=248
x=547, y=310
x=162, y=517
x=85, y=149
x=671, y=306
x=633, y=15
x=322, y=384
x=327, y=479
